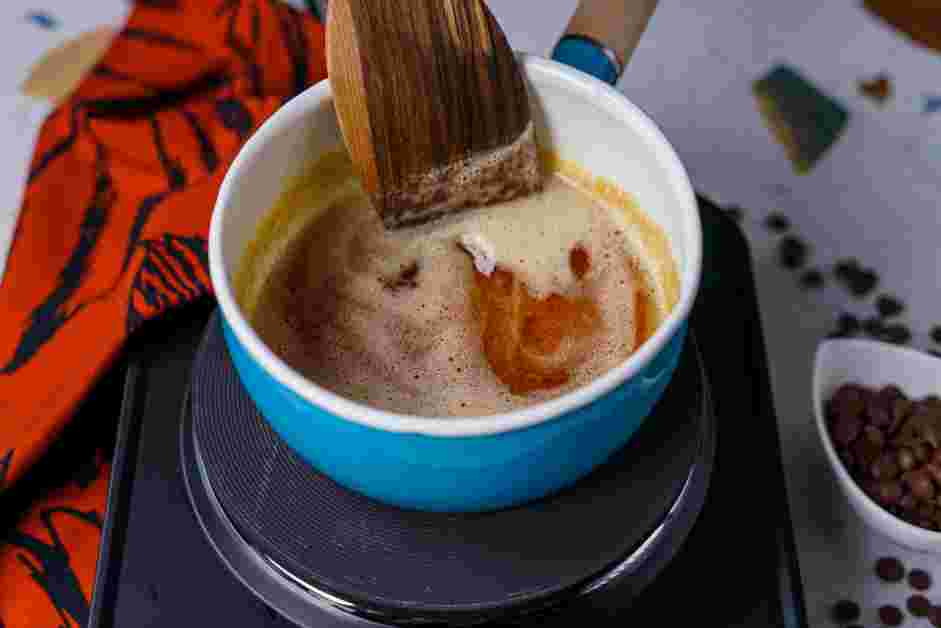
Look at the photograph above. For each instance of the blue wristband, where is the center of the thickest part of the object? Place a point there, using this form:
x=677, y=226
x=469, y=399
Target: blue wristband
x=588, y=56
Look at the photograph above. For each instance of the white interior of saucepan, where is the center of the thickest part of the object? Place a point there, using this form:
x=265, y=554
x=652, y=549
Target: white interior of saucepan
x=583, y=119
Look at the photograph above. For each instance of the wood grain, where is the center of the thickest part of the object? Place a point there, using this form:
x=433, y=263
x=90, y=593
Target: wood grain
x=422, y=87
x=617, y=24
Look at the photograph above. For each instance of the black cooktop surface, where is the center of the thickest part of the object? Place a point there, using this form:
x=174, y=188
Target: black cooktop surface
x=736, y=568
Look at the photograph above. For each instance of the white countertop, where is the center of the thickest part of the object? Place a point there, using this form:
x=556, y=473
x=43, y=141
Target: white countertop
x=875, y=197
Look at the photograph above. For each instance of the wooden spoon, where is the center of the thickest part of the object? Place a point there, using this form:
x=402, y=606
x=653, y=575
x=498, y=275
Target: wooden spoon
x=432, y=106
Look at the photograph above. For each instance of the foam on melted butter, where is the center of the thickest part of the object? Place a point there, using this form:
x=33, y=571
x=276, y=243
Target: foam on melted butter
x=530, y=236
x=356, y=322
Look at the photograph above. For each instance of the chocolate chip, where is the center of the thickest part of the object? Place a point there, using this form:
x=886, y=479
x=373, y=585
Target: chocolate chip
x=874, y=327
x=792, y=252
x=918, y=605
x=921, y=486
x=868, y=446
x=777, y=222
x=848, y=323
x=933, y=470
x=897, y=334
x=901, y=410
x=812, y=279
x=845, y=429
x=886, y=467
x=891, y=615
x=858, y=280
x=919, y=579
x=906, y=459
x=890, y=569
x=845, y=268
x=936, y=334
x=889, y=306
x=845, y=611
x=922, y=452
x=888, y=493
x=863, y=283
x=879, y=415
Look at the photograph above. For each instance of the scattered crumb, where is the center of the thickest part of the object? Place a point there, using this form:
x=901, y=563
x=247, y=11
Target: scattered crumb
x=877, y=89
x=778, y=222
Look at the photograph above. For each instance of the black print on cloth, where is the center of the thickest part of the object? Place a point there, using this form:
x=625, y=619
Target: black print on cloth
x=175, y=270
x=50, y=565
x=47, y=318
x=5, y=463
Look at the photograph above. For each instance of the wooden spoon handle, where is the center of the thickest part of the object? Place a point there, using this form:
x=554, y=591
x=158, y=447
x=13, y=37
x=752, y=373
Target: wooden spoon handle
x=603, y=34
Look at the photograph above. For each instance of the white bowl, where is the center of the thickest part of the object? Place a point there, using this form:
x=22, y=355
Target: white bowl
x=874, y=364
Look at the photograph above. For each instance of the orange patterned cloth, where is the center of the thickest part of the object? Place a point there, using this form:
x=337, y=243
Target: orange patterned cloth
x=112, y=232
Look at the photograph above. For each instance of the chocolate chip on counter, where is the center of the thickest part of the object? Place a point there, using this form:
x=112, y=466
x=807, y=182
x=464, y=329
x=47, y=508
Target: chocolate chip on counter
x=863, y=283
x=777, y=222
x=792, y=252
x=843, y=269
x=890, y=569
x=845, y=611
x=812, y=279
x=874, y=327
x=891, y=615
x=889, y=306
x=858, y=280
x=936, y=334
x=897, y=334
x=848, y=323
x=936, y=354
x=918, y=605
x=919, y=579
